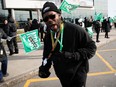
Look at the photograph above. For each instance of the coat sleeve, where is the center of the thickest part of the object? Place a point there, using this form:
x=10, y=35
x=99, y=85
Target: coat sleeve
x=47, y=50
x=4, y=36
x=87, y=48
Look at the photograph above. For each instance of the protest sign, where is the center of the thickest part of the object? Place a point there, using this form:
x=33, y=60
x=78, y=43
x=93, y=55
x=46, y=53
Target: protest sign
x=31, y=41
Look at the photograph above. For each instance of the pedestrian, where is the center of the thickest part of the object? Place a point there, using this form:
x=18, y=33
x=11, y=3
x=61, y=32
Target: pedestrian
x=106, y=27
x=27, y=25
x=5, y=28
x=97, y=29
x=12, y=44
x=81, y=23
x=77, y=21
x=67, y=46
x=3, y=57
x=42, y=29
x=34, y=25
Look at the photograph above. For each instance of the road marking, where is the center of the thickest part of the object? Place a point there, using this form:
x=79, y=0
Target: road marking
x=39, y=80
x=106, y=50
x=55, y=78
x=89, y=74
x=107, y=64
x=101, y=73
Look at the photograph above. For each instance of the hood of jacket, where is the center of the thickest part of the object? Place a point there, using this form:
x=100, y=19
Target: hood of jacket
x=11, y=20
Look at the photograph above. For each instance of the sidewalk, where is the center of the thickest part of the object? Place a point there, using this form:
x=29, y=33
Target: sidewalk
x=23, y=66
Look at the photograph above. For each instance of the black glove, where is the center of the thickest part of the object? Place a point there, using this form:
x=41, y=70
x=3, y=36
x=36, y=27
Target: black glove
x=68, y=55
x=65, y=54
x=43, y=72
x=72, y=56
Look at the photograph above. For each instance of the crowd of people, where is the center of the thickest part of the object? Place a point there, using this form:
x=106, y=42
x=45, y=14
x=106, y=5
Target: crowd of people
x=97, y=25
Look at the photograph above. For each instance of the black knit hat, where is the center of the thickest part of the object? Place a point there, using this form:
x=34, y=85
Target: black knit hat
x=49, y=6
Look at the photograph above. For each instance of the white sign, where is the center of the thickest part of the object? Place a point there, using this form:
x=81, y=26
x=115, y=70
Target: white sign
x=23, y=4
x=83, y=3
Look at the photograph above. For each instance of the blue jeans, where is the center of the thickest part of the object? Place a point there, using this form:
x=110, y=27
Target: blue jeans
x=1, y=75
x=4, y=64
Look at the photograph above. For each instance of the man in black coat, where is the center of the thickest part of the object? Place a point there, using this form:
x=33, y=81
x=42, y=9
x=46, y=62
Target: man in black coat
x=12, y=44
x=68, y=46
x=106, y=27
x=97, y=29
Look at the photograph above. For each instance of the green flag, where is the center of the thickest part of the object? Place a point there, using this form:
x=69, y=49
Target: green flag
x=65, y=6
x=111, y=20
x=90, y=31
x=30, y=41
x=114, y=19
x=98, y=16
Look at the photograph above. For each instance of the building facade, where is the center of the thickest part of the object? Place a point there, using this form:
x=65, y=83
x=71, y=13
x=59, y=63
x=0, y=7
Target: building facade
x=21, y=14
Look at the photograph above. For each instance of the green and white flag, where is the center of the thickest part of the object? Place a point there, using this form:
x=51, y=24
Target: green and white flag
x=30, y=41
x=114, y=19
x=98, y=16
x=65, y=6
x=90, y=31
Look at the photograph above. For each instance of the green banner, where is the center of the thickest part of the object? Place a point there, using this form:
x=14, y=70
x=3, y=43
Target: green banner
x=90, y=31
x=31, y=41
x=98, y=16
x=114, y=19
x=65, y=6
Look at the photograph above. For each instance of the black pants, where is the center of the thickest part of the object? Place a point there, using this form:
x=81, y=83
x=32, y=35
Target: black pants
x=97, y=37
x=106, y=34
x=41, y=36
x=4, y=64
x=12, y=45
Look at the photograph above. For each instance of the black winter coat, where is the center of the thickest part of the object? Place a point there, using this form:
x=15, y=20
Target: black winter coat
x=97, y=27
x=2, y=50
x=6, y=28
x=77, y=41
x=12, y=30
x=106, y=25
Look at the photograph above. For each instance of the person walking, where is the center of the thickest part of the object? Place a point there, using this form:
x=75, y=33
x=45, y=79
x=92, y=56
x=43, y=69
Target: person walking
x=5, y=28
x=67, y=46
x=106, y=27
x=3, y=57
x=34, y=25
x=97, y=29
x=27, y=25
x=42, y=29
x=12, y=44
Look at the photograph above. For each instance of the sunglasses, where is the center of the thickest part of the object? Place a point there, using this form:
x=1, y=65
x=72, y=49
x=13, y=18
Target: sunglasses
x=45, y=19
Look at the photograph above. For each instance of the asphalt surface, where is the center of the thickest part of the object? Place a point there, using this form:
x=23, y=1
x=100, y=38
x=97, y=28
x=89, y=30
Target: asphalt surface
x=102, y=71
x=23, y=66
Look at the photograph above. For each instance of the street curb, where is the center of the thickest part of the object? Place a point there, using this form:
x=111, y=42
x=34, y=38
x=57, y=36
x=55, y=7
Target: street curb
x=17, y=79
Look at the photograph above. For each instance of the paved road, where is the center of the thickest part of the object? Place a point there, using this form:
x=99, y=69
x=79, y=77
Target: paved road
x=102, y=71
